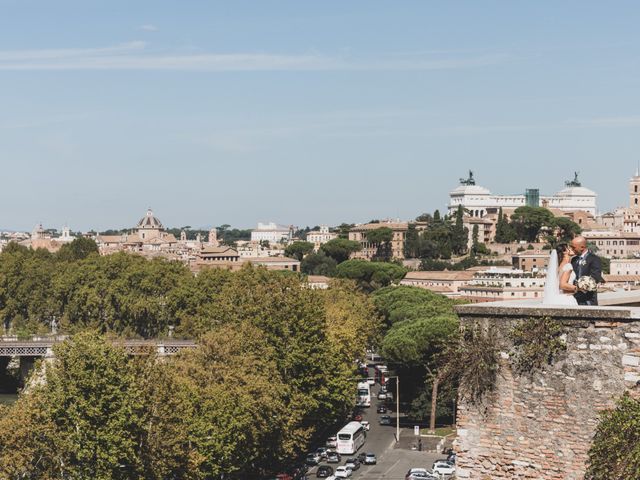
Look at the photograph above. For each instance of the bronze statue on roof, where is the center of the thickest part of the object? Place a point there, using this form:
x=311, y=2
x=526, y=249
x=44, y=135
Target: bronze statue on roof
x=468, y=181
x=575, y=182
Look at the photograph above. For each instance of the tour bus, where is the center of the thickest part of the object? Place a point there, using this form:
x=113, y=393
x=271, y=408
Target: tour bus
x=350, y=438
x=364, y=394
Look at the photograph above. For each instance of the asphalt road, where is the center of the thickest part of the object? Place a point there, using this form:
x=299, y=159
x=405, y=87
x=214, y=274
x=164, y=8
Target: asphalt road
x=393, y=463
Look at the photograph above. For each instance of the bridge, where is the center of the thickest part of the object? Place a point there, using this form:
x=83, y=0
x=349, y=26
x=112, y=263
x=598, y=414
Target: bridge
x=11, y=346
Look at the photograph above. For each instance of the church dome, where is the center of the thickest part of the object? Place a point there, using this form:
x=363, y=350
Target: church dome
x=149, y=221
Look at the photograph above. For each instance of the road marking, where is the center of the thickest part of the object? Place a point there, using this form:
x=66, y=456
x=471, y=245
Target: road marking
x=392, y=467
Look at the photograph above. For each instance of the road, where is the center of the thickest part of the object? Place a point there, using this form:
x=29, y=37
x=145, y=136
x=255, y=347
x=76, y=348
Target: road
x=393, y=462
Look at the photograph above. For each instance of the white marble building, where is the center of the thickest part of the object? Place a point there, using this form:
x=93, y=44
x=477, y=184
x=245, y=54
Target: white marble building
x=480, y=202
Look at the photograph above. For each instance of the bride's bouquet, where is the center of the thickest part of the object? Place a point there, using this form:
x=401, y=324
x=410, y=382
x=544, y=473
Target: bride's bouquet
x=587, y=284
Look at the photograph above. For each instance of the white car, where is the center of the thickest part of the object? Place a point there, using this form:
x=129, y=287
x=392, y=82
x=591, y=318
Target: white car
x=365, y=424
x=343, y=472
x=442, y=467
x=371, y=381
x=332, y=442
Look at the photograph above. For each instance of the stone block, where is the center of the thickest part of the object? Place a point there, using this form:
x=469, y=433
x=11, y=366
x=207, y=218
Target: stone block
x=631, y=377
x=630, y=360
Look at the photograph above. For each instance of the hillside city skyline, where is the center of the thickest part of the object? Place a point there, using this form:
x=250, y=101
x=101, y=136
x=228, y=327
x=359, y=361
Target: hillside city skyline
x=303, y=222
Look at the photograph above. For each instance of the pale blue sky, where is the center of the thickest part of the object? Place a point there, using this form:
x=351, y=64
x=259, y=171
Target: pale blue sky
x=307, y=112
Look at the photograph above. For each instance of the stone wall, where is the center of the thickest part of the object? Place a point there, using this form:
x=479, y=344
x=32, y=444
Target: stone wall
x=540, y=425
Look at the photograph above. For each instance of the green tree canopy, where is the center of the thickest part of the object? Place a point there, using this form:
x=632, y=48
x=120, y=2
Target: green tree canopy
x=298, y=249
x=371, y=275
x=78, y=249
x=528, y=221
x=318, y=264
x=340, y=249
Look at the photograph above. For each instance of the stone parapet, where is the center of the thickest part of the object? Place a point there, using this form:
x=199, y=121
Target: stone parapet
x=540, y=424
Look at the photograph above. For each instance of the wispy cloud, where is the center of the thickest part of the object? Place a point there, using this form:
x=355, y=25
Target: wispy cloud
x=149, y=28
x=136, y=56
x=612, y=122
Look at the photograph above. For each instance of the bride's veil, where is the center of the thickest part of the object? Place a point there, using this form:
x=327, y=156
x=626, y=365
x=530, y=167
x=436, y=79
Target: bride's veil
x=552, y=283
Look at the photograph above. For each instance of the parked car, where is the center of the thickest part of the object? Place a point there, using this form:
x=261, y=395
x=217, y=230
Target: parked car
x=357, y=417
x=332, y=441
x=382, y=395
x=312, y=459
x=322, y=451
x=333, y=457
x=324, y=471
x=343, y=472
x=371, y=381
x=422, y=476
x=442, y=467
x=352, y=463
x=370, y=458
x=416, y=473
x=385, y=420
x=381, y=409
x=365, y=424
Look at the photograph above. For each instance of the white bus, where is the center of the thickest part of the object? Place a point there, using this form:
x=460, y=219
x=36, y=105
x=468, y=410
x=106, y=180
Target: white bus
x=350, y=438
x=364, y=394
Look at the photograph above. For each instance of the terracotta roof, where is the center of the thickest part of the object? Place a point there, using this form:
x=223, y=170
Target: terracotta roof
x=439, y=275
x=375, y=226
x=272, y=260
x=213, y=250
x=621, y=278
x=318, y=279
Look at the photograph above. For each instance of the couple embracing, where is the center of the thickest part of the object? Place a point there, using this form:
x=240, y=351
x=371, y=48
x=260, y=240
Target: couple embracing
x=572, y=275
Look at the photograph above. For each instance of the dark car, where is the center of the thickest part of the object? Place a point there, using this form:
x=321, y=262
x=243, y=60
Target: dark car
x=357, y=417
x=333, y=457
x=324, y=471
x=352, y=463
x=361, y=457
x=385, y=420
x=322, y=451
x=382, y=409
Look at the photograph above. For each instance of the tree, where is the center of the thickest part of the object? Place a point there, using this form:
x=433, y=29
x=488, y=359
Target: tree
x=343, y=230
x=371, y=275
x=424, y=217
x=90, y=411
x=78, y=249
x=615, y=451
x=474, y=241
x=318, y=264
x=529, y=221
x=566, y=229
x=298, y=249
x=459, y=234
x=436, y=216
x=412, y=242
x=504, y=231
x=340, y=249
x=381, y=238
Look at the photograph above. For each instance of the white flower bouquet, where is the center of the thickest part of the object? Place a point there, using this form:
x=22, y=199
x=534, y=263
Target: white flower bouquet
x=587, y=284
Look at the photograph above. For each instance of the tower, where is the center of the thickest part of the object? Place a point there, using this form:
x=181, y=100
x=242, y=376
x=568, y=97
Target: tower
x=634, y=191
x=213, y=237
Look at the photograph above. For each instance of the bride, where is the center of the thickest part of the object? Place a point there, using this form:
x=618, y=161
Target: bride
x=559, y=287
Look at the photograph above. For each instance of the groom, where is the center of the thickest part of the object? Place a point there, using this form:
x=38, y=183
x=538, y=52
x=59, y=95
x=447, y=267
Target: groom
x=586, y=263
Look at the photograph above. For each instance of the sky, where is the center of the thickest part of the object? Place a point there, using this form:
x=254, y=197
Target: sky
x=307, y=113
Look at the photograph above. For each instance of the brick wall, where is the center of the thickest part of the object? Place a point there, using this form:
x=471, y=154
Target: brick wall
x=540, y=425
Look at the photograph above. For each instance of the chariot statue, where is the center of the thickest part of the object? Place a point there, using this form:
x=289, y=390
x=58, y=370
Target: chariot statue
x=468, y=181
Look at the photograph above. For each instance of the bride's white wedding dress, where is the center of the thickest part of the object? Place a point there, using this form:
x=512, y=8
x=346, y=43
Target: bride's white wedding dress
x=552, y=293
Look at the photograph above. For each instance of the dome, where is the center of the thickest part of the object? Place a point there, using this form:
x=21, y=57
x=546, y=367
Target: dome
x=576, y=192
x=150, y=222
x=470, y=190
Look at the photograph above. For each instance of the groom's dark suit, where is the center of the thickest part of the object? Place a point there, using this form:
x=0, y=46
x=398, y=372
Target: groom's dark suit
x=588, y=264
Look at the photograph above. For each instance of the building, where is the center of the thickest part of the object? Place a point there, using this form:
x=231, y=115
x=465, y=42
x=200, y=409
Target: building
x=319, y=282
x=479, y=201
x=149, y=236
x=627, y=266
x=443, y=282
x=486, y=228
x=614, y=243
x=218, y=255
x=41, y=238
x=318, y=237
x=272, y=233
x=369, y=249
x=499, y=284
x=531, y=260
